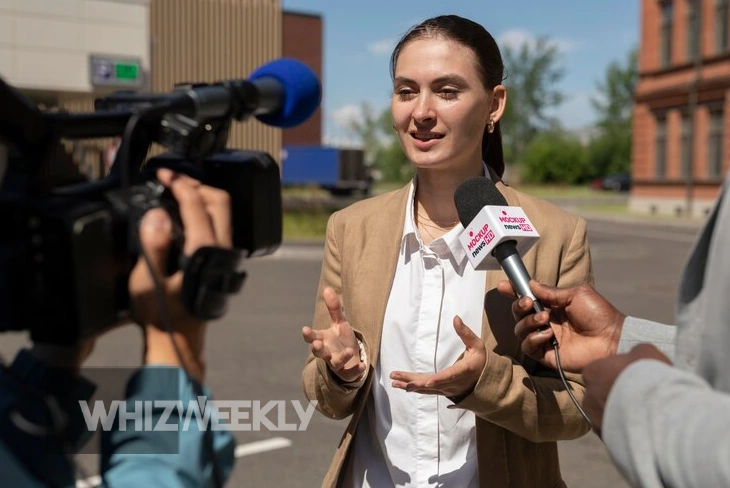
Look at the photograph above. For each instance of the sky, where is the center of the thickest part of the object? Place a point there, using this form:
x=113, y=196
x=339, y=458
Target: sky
x=358, y=37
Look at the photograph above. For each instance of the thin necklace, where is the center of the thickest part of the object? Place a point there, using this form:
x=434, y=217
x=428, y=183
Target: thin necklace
x=440, y=224
x=438, y=227
x=429, y=234
x=435, y=227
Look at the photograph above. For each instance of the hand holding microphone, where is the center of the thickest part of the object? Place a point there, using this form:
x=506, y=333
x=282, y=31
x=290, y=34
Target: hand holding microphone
x=588, y=328
x=493, y=228
x=583, y=328
x=586, y=325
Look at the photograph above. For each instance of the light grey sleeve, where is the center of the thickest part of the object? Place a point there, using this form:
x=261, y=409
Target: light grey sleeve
x=637, y=331
x=665, y=427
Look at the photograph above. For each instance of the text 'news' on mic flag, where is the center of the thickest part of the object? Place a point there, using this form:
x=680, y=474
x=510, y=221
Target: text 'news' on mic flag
x=492, y=226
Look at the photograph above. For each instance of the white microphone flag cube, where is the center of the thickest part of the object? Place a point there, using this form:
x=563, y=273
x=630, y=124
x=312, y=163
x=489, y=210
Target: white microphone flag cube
x=492, y=226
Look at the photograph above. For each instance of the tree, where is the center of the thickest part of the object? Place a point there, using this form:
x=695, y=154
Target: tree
x=532, y=75
x=616, y=103
x=554, y=157
x=610, y=152
x=380, y=143
x=392, y=162
x=368, y=129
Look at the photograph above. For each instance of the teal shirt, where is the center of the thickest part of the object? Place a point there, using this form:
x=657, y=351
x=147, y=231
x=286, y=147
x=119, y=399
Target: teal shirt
x=129, y=457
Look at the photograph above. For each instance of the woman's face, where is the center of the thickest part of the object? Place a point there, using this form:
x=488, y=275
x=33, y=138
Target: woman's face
x=440, y=106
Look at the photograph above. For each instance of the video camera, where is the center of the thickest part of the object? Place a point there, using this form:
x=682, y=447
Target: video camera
x=66, y=251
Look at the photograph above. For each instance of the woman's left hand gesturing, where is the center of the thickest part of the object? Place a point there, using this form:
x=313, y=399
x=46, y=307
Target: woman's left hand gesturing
x=454, y=382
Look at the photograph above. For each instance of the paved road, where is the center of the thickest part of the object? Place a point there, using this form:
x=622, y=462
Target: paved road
x=256, y=352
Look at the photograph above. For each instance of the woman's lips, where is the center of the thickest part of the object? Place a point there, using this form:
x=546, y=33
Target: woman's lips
x=425, y=140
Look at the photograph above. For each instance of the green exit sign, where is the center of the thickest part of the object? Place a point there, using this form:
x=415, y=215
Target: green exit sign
x=116, y=72
x=126, y=71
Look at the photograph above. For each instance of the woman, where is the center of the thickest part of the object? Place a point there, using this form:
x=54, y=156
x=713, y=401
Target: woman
x=404, y=339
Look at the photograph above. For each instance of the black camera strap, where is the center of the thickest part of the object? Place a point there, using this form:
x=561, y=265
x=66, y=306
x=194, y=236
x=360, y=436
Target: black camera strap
x=209, y=276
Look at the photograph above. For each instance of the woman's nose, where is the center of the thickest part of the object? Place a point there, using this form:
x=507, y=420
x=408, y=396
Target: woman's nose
x=424, y=109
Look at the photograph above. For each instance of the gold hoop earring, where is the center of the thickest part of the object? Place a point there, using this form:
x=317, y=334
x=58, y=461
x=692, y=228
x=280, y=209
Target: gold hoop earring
x=490, y=126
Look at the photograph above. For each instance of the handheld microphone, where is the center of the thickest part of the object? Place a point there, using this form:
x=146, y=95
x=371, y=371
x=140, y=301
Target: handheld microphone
x=493, y=228
x=282, y=93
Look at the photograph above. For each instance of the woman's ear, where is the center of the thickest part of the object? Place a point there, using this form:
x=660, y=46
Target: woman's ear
x=499, y=102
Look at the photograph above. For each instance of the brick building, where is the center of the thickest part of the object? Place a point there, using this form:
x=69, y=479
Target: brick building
x=681, y=139
x=302, y=40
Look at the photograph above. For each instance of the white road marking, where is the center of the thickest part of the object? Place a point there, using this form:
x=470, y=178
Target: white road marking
x=262, y=446
x=90, y=482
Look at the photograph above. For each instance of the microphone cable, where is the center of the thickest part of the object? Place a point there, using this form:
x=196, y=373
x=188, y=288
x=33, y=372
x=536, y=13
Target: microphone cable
x=556, y=347
x=537, y=307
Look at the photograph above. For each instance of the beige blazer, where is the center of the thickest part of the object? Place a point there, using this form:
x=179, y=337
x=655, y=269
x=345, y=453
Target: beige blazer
x=521, y=407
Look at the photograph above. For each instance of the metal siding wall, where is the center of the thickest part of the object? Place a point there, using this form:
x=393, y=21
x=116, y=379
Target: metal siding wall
x=212, y=40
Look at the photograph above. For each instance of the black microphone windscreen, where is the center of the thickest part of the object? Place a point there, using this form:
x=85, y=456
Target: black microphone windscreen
x=473, y=195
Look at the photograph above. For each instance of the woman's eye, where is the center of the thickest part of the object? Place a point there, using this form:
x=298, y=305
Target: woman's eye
x=405, y=94
x=449, y=94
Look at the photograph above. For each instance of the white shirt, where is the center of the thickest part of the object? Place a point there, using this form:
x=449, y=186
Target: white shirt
x=407, y=438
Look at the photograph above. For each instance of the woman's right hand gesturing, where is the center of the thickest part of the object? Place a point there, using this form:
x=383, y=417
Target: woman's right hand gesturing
x=338, y=345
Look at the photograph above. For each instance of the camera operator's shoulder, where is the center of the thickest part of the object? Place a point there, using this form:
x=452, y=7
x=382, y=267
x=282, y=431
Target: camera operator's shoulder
x=380, y=209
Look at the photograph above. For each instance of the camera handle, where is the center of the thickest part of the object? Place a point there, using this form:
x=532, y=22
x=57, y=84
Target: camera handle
x=210, y=275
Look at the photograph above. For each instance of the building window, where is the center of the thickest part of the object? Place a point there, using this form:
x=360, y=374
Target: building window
x=661, y=147
x=721, y=24
x=666, y=33
x=714, y=161
x=693, y=31
x=686, y=146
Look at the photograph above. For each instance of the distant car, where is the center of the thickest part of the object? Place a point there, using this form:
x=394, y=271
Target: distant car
x=614, y=182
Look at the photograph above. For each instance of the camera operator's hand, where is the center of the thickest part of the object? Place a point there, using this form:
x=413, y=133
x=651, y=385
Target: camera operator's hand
x=206, y=216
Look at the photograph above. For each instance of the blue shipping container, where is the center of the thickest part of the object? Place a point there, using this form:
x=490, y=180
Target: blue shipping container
x=339, y=171
x=310, y=165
